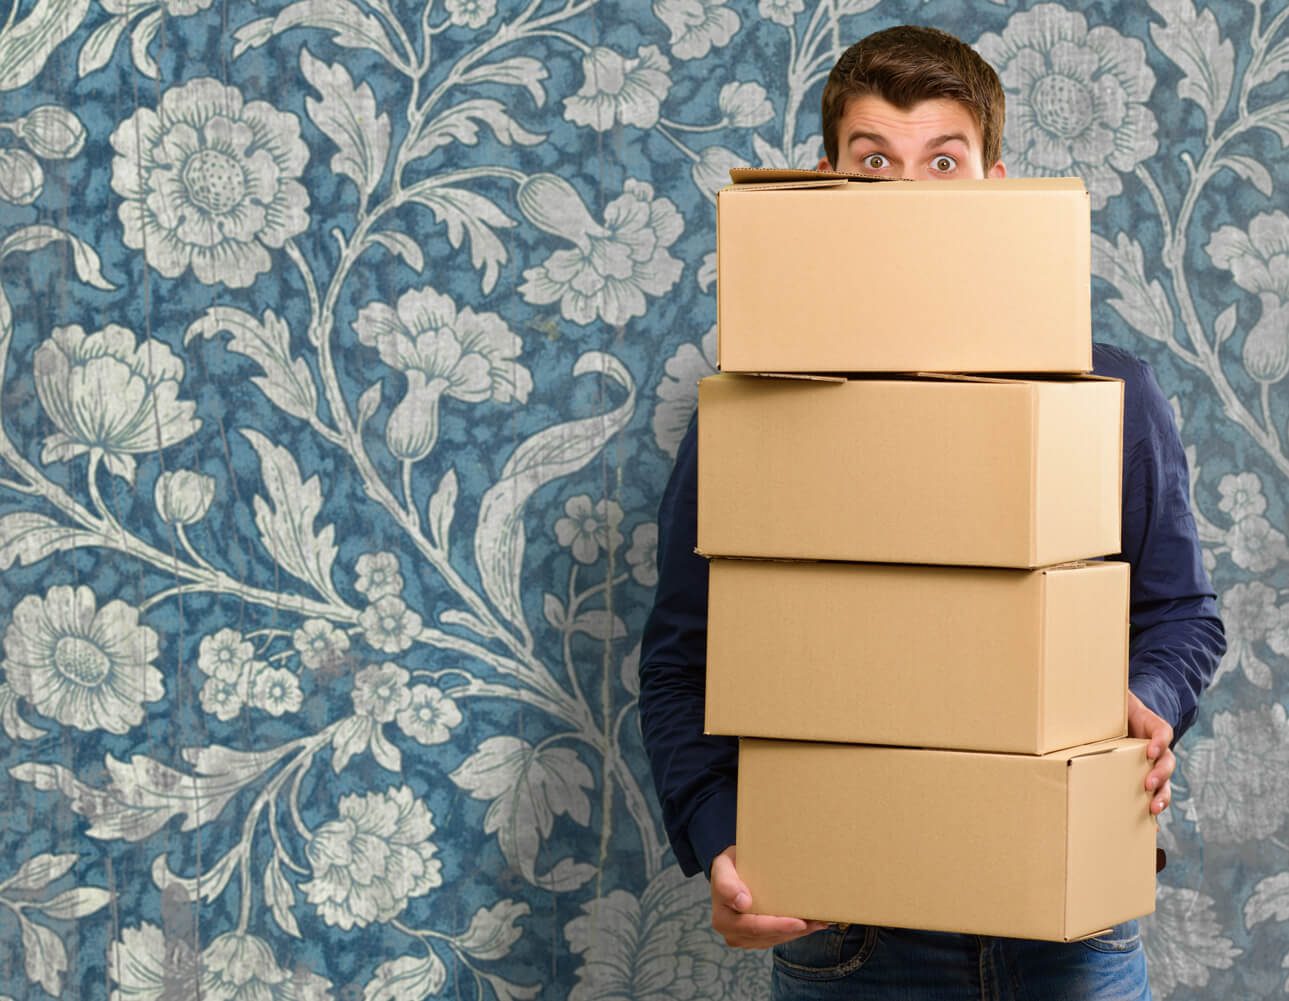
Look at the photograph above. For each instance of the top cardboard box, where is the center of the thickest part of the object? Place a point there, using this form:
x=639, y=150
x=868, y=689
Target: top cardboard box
x=818, y=273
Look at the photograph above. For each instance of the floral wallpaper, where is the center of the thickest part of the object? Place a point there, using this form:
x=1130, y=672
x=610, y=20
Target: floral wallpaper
x=345, y=347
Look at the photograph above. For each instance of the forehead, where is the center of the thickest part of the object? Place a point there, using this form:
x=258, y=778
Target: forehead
x=918, y=124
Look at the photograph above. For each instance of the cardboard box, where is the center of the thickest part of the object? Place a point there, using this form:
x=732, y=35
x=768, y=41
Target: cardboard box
x=815, y=274
x=976, y=472
x=1056, y=847
x=951, y=657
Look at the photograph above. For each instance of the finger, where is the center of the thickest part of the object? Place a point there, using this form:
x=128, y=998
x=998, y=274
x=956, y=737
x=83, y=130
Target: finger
x=727, y=887
x=1161, y=802
x=1161, y=772
x=761, y=930
x=767, y=943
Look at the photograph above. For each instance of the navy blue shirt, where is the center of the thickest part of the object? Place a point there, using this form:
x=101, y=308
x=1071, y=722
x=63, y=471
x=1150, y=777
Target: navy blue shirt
x=1176, y=634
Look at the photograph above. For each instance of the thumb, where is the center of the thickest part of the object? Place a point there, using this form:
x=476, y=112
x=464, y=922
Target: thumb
x=727, y=887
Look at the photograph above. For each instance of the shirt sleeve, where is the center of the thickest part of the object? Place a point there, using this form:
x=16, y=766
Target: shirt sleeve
x=1177, y=639
x=695, y=775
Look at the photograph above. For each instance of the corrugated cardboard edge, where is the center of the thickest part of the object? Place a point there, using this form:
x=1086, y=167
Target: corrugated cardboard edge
x=787, y=177
x=799, y=376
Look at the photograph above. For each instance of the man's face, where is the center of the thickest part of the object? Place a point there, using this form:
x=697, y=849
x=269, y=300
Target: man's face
x=932, y=140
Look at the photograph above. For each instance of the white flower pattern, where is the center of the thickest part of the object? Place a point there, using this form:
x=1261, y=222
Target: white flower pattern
x=378, y=575
x=389, y=625
x=87, y=667
x=696, y=26
x=443, y=352
x=429, y=715
x=612, y=267
x=587, y=528
x=1076, y=98
x=372, y=859
x=110, y=395
x=210, y=182
x=1239, y=777
x=616, y=88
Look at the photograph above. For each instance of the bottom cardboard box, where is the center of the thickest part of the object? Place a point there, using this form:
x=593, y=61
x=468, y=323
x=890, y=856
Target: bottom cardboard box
x=1057, y=846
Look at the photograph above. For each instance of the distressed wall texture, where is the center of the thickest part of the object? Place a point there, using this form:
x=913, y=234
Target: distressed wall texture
x=345, y=347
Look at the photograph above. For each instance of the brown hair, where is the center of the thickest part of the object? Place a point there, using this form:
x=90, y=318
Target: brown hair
x=909, y=64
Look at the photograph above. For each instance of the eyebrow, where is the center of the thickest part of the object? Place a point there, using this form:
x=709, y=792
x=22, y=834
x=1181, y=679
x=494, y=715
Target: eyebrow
x=948, y=137
x=880, y=140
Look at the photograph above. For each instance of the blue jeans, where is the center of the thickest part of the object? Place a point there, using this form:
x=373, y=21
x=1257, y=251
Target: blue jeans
x=864, y=963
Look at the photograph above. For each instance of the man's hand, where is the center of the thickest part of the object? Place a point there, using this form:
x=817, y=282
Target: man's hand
x=730, y=901
x=1143, y=723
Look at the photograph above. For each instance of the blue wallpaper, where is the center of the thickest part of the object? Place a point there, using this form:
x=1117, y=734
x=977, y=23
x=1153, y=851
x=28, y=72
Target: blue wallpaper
x=345, y=348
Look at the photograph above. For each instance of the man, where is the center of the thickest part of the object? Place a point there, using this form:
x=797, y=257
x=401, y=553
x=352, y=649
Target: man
x=916, y=103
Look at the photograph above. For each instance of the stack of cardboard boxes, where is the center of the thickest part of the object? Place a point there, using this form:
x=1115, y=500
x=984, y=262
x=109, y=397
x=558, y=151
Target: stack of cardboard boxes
x=929, y=683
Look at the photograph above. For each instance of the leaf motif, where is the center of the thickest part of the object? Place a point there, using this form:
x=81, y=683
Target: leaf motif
x=553, y=609
x=461, y=123
x=528, y=788
x=206, y=886
x=39, y=871
x=27, y=537
x=520, y=71
x=349, y=25
x=1274, y=118
x=1251, y=170
x=44, y=956
x=466, y=213
x=505, y=990
x=98, y=48
x=1194, y=42
x=26, y=45
x=286, y=519
x=253, y=34
x=143, y=794
x=368, y=402
x=218, y=761
x=14, y=725
x=408, y=978
x=1224, y=327
x=352, y=736
x=347, y=115
x=85, y=259
x=386, y=754
x=456, y=617
x=1144, y=305
x=279, y=895
x=1274, y=62
x=493, y=931
x=400, y=245
x=600, y=625
x=80, y=902
x=286, y=381
x=1270, y=899
x=629, y=673
x=442, y=507
x=145, y=30
x=499, y=539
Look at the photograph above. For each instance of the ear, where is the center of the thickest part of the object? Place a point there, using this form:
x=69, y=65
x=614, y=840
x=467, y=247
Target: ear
x=997, y=172
x=823, y=164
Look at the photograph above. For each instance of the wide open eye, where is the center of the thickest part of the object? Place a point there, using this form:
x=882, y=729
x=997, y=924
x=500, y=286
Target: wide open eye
x=875, y=161
x=944, y=164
